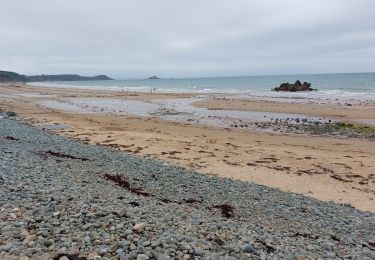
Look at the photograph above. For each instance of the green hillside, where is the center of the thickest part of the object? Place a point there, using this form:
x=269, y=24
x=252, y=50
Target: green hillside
x=8, y=76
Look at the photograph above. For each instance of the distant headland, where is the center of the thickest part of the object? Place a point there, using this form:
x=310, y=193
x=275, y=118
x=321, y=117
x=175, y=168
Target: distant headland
x=8, y=76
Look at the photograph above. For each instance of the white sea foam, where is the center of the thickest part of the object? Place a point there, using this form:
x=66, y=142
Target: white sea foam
x=333, y=87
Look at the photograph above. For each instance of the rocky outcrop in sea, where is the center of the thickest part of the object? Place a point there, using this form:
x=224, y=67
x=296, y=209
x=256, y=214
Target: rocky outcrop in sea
x=297, y=86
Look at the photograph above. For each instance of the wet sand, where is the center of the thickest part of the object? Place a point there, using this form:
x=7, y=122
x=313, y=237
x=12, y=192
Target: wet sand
x=326, y=168
x=350, y=111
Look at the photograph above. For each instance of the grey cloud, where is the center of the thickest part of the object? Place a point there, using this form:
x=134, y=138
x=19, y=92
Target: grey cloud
x=174, y=38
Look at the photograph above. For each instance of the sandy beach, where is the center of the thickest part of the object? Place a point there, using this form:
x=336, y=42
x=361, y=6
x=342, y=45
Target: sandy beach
x=193, y=130
x=324, y=167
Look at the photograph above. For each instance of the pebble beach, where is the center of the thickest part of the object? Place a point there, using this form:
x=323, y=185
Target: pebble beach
x=63, y=199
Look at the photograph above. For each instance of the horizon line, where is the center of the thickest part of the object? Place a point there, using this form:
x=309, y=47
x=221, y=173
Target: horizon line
x=239, y=76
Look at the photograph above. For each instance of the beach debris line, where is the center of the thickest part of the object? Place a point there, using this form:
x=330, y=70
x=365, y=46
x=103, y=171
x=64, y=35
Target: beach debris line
x=69, y=256
x=297, y=86
x=268, y=248
x=10, y=138
x=120, y=181
x=226, y=210
x=134, y=204
x=61, y=155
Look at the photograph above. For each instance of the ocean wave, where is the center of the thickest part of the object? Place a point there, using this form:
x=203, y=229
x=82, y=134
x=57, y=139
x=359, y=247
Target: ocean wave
x=243, y=86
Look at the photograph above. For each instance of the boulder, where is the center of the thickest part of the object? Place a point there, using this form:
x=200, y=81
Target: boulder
x=10, y=113
x=297, y=86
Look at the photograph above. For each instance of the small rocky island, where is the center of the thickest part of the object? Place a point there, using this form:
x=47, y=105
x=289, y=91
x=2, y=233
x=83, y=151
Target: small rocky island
x=153, y=77
x=297, y=86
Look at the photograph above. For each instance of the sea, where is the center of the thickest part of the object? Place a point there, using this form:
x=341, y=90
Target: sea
x=338, y=86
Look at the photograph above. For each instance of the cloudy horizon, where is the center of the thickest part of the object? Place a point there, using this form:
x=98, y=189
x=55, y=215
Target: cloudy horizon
x=136, y=39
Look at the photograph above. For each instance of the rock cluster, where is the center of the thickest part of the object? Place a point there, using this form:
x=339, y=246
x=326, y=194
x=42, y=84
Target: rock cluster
x=308, y=126
x=84, y=201
x=297, y=86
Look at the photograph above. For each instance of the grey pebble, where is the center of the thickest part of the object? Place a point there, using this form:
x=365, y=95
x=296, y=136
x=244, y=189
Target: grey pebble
x=61, y=202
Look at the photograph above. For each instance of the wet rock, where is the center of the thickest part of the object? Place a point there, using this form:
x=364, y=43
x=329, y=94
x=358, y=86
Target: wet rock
x=297, y=86
x=10, y=113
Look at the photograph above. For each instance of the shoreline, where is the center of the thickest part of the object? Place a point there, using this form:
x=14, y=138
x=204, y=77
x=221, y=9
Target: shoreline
x=360, y=112
x=329, y=164
x=328, y=85
x=350, y=111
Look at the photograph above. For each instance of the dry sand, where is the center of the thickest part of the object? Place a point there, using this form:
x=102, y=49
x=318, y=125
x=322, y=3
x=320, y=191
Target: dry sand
x=342, y=170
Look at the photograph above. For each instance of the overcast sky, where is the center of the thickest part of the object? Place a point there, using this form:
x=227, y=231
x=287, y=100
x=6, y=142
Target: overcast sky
x=193, y=38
